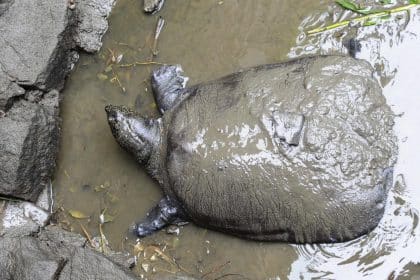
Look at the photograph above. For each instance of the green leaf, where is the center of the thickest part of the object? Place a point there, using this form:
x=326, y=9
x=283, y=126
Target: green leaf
x=349, y=5
x=78, y=214
x=414, y=1
x=369, y=23
x=385, y=17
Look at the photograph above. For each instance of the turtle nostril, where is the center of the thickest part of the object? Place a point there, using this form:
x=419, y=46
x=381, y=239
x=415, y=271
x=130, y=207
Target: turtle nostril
x=111, y=112
x=108, y=108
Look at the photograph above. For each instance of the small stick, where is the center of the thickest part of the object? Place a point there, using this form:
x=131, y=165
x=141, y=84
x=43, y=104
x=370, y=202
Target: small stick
x=87, y=235
x=101, y=233
x=140, y=63
x=230, y=274
x=118, y=81
x=51, y=198
x=165, y=270
x=159, y=26
x=215, y=269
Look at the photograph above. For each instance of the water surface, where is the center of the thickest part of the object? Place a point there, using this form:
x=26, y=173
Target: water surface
x=211, y=39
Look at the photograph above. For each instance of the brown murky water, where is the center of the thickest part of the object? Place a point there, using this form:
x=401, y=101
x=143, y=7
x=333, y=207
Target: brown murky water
x=210, y=39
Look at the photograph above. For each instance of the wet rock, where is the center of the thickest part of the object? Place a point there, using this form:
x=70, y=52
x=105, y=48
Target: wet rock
x=45, y=199
x=4, y=5
x=92, y=23
x=101, y=244
x=36, y=42
x=152, y=6
x=8, y=92
x=55, y=254
x=22, y=218
x=28, y=146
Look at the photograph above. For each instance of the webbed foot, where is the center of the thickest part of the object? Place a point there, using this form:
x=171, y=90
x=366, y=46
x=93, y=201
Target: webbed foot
x=165, y=213
x=168, y=85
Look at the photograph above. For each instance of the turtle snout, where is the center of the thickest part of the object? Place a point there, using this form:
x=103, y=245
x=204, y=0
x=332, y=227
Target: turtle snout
x=112, y=113
x=109, y=109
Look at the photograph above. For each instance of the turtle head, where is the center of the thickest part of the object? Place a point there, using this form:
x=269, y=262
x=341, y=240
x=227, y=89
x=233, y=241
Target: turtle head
x=139, y=136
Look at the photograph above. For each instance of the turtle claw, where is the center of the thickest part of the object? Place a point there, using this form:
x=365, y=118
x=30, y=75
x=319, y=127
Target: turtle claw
x=168, y=84
x=160, y=216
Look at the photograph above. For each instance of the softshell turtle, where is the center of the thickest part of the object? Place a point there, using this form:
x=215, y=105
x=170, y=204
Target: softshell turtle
x=300, y=151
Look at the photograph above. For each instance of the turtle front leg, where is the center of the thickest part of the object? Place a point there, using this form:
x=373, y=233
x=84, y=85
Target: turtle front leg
x=168, y=86
x=167, y=212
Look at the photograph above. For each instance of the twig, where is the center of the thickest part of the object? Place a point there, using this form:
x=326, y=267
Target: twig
x=230, y=274
x=118, y=80
x=140, y=63
x=101, y=233
x=87, y=235
x=215, y=269
x=51, y=197
x=159, y=26
x=165, y=270
x=361, y=19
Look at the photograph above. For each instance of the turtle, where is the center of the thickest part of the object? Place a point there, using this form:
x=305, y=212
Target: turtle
x=300, y=151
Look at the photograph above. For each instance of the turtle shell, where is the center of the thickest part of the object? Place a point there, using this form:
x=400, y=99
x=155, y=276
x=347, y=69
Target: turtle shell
x=300, y=151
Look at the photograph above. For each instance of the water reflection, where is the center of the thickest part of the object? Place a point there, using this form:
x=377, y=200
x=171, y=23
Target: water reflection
x=392, y=248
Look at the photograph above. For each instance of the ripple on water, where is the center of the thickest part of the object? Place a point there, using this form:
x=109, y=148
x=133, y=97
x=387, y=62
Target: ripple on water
x=388, y=251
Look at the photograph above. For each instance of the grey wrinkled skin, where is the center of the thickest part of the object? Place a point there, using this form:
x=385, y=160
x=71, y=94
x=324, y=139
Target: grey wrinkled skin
x=152, y=6
x=300, y=151
x=166, y=212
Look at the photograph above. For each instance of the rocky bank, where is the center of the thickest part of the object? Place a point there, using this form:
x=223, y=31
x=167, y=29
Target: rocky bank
x=40, y=42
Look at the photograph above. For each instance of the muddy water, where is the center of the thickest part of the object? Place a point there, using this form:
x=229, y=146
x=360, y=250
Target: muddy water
x=210, y=39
